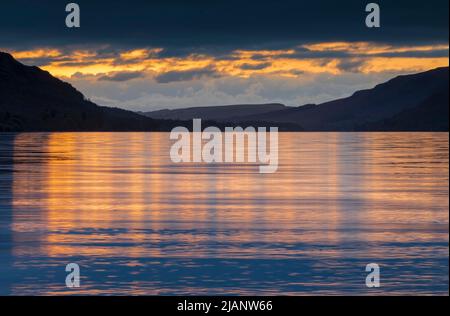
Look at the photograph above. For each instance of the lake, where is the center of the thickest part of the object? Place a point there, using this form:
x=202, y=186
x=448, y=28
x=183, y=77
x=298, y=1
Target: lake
x=136, y=223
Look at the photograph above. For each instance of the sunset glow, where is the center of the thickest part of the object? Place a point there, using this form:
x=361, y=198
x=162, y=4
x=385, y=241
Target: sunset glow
x=244, y=63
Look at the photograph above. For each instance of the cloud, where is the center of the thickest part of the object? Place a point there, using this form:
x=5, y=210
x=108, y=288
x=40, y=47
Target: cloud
x=122, y=76
x=77, y=63
x=333, y=58
x=145, y=94
x=38, y=61
x=255, y=66
x=350, y=65
x=435, y=53
x=204, y=26
x=186, y=75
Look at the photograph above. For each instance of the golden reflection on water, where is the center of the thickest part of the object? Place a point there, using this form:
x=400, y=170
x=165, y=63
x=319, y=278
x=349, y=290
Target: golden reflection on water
x=108, y=195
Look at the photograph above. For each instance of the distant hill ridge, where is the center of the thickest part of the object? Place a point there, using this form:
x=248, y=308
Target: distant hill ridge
x=368, y=109
x=219, y=113
x=33, y=100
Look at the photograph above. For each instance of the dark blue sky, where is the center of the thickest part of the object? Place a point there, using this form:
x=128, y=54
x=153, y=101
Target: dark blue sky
x=182, y=26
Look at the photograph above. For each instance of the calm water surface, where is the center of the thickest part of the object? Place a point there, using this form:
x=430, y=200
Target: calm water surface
x=138, y=224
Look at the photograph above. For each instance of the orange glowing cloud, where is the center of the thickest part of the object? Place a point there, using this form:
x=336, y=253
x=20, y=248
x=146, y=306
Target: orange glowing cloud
x=368, y=57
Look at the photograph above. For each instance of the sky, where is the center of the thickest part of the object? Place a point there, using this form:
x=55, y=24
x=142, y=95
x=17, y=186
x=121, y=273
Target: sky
x=150, y=55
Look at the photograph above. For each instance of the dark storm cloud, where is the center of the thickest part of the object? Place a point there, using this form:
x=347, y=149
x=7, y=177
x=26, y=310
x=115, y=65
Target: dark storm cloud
x=350, y=65
x=260, y=57
x=41, y=61
x=108, y=52
x=215, y=27
x=64, y=60
x=77, y=63
x=302, y=53
x=297, y=72
x=122, y=76
x=305, y=53
x=173, y=76
x=415, y=54
x=255, y=67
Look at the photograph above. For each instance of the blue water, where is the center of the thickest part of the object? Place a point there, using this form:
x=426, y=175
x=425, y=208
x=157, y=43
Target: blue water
x=136, y=223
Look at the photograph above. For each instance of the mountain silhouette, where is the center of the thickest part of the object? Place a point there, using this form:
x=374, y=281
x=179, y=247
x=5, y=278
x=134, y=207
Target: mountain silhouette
x=430, y=115
x=218, y=113
x=409, y=102
x=373, y=107
x=33, y=100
